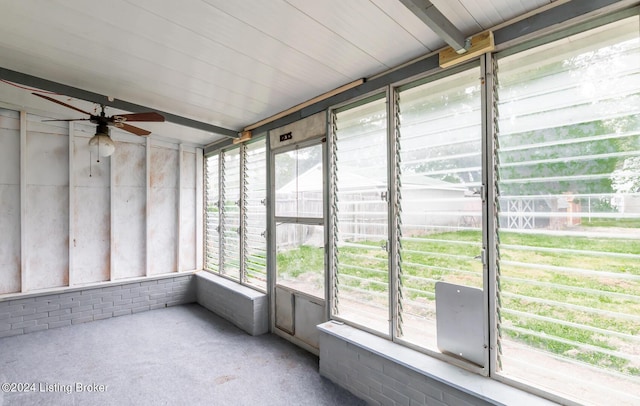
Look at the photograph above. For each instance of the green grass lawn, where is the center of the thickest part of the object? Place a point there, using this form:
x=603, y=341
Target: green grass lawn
x=567, y=295
x=610, y=222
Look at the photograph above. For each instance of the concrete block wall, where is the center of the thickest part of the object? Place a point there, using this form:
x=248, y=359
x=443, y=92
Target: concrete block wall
x=380, y=381
x=245, y=307
x=35, y=312
x=384, y=373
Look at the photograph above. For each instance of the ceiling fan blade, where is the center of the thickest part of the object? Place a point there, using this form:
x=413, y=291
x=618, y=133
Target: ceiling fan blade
x=132, y=129
x=149, y=117
x=70, y=119
x=60, y=103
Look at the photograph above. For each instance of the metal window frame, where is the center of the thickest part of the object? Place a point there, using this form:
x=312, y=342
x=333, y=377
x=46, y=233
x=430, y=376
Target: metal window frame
x=223, y=217
x=205, y=199
x=396, y=88
x=542, y=39
x=242, y=279
x=375, y=95
x=490, y=202
x=244, y=218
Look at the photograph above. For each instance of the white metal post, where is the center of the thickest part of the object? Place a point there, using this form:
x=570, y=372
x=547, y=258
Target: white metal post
x=23, y=202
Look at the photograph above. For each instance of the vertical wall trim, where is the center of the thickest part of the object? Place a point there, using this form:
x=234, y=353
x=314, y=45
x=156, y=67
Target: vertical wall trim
x=200, y=208
x=147, y=206
x=112, y=217
x=72, y=201
x=23, y=201
x=179, y=217
x=271, y=235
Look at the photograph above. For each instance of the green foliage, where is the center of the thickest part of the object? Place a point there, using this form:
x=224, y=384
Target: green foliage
x=297, y=261
x=550, y=154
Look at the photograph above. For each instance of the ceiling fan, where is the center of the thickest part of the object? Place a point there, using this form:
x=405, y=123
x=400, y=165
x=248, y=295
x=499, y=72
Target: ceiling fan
x=101, y=141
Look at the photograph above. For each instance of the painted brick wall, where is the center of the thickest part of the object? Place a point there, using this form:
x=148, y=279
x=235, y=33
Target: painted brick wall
x=246, y=308
x=385, y=373
x=41, y=312
x=380, y=381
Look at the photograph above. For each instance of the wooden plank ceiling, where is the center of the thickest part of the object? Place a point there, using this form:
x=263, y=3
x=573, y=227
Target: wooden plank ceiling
x=226, y=63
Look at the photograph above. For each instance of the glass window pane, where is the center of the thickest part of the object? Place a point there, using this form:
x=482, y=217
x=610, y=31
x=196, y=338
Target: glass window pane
x=361, y=216
x=569, y=170
x=441, y=207
x=298, y=183
x=256, y=215
x=230, y=230
x=212, y=251
x=300, y=257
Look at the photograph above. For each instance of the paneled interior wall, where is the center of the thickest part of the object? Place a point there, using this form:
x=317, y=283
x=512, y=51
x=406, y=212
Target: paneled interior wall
x=129, y=163
x=10, y=201
x=68, y=220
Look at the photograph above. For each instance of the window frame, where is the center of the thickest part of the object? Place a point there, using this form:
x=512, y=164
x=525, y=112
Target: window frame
x=493, y=197
x=486, y=129
x=490, y=191
x=375, y=95
x=390, y=93
x=242, y=276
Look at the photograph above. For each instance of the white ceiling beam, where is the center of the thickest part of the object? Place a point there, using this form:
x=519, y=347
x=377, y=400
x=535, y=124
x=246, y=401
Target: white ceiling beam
x=434, y=19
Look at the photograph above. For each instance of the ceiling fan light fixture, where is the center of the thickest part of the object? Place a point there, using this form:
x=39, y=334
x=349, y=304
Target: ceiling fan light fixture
x=101, y=144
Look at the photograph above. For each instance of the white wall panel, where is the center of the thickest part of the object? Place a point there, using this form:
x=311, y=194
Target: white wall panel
x=91, y=215
x=47, y=205
x=83, y=221
x=129, y=209
x=163, y=210
x=188, y=212
x=9, y=201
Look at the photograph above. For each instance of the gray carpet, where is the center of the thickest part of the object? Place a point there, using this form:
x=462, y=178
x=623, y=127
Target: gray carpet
x=181, y=355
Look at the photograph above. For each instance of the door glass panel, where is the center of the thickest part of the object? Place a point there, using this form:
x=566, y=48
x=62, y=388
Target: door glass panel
x=300, y=257
x=299, y=217
x=298, y=183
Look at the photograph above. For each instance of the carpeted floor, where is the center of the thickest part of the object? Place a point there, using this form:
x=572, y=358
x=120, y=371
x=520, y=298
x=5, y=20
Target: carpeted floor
x=181, y=355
